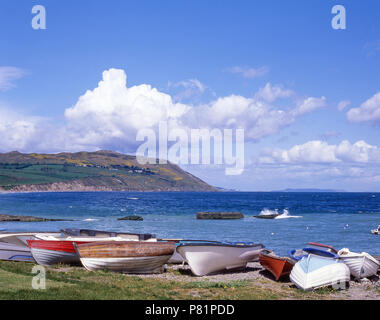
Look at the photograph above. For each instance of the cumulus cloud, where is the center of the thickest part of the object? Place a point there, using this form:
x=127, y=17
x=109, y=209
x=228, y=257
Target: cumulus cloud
x=18, y=132
x=110, y=115
x=8, y=75
x=321, y=152
x=368, y=111
x=113, y=112
x=249, y=73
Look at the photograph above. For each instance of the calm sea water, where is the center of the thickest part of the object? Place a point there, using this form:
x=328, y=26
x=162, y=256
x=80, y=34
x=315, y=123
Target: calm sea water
x=338, y=219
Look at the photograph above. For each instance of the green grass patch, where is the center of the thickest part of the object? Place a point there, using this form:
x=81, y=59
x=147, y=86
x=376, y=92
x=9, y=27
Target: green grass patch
x=68, y=283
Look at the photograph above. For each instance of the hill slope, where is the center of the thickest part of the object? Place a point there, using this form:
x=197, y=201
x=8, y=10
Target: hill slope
x=91, y=171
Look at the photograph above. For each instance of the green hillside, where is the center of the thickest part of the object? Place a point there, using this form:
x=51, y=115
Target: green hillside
x=91, y=171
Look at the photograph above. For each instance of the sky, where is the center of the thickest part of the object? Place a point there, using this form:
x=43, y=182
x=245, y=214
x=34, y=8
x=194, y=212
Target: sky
x=306, y=95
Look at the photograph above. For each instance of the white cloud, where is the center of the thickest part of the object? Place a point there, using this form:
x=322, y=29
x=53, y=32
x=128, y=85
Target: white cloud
x=271, y=93
x=368, y=111
x=110, y=115
x=249, y=73
x=8, y=75
x=190, y=88
x=343, y=105
x=112, y=112
x=18, y=132
x=321, y=152
x=308, y=105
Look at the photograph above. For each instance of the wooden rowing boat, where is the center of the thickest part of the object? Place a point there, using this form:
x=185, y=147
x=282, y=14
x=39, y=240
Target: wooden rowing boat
x=278, y=266
x=125, y=256
x=49, y=250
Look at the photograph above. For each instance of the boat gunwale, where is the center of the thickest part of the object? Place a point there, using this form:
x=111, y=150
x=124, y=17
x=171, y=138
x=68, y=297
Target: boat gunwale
x=221, y=244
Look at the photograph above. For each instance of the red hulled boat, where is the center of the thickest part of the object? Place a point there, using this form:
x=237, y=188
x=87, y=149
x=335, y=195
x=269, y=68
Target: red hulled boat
x=49, y=252
x=278, y=266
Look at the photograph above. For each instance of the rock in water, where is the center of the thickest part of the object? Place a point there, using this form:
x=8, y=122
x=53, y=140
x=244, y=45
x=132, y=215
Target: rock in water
x=219, y=215
x=134, y=218
x=11, y=218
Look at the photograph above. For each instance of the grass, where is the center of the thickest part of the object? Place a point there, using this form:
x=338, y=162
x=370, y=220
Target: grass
x=68, y=283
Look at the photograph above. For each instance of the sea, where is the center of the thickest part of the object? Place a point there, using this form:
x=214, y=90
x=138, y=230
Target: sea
x=343, y=220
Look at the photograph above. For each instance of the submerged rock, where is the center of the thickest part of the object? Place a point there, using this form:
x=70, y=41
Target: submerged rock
x=11, y=218
x=134, y=218
x=220, y=215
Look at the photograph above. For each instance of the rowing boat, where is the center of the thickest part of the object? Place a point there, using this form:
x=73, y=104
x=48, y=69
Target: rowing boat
x=278, y=266
x=14, y=246
x=207, y=258
x=362, y=265
x=316, y=271
x=49, y=250
x=125, y=256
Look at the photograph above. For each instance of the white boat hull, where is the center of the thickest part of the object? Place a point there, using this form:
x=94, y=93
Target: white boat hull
x=9, y=251
x=127, y=265
x=331, y=272
x=176, y=258
x=208, y=259
x=361, y=265
x=13, y=246
x=50, y=257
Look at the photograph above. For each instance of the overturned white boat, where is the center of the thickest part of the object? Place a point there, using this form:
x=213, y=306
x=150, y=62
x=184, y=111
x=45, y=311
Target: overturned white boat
x=315, y=271
x=361, y=265
x=14, y=246
x=206, y=258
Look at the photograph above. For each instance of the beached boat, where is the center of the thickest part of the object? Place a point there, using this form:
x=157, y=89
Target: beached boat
x=298, y=254
x=206, y=258
x=278, y=266
x=176, y=258
x=106, y=234
x=322, y=247
x=376, y=231
x=316, y=271
x=49, y=250
x=361, y=265
x=126, y=256
x=14, y=246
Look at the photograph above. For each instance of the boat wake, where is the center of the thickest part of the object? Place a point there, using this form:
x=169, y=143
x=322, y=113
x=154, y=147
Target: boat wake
x=132, y=198
x=277, y=215
x=286, y=215
x=90, y=219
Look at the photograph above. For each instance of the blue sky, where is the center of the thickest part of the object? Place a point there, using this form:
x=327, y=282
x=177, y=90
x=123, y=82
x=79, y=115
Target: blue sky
x=229, y=48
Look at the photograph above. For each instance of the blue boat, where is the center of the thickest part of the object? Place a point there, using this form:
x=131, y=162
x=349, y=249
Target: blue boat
x=297, y=255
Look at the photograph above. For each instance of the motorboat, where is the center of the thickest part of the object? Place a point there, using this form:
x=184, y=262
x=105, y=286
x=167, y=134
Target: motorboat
x=361, y=265
x=278, y=266
x=207, y=258
x=14, y=246
x=376, y=231
x=125, y=256
x=316, y=271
